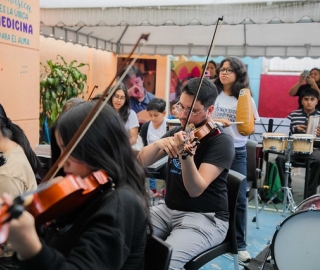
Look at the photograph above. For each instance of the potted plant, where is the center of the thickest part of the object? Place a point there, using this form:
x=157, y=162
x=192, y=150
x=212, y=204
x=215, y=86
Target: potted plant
x=60, y=82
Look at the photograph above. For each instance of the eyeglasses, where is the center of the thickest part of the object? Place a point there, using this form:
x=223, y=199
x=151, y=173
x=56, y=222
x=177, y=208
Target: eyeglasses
x=122, y=98
x=227, y=70
x=180, y=109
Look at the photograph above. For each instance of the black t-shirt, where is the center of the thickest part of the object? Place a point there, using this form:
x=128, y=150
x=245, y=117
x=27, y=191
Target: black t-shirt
x=217, y=150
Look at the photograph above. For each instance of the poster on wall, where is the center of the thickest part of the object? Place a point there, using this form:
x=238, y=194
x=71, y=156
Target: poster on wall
x=140, y=82
x=19, y=23
x=181, y=73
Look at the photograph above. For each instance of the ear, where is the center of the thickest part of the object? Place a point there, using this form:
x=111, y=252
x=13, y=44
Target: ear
x=210, y=110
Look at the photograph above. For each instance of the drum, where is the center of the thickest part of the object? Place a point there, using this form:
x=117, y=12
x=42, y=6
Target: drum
x=302, y=143
x=171, y=123
x=295, y=244
x=276, y=142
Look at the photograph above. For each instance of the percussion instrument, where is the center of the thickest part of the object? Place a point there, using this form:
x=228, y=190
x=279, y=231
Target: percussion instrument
x=245, y=113
x=302, y=143
x=295, y=243
x=171, y=123
x=276, y=142
x=313, y=122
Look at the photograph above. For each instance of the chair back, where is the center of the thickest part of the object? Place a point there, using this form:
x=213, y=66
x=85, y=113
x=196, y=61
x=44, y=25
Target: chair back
x=252, y=162
x=157, y=254
x=234, y=181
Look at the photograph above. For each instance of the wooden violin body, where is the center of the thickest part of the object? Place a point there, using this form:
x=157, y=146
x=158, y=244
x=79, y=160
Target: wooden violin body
x=204, y=130
x=55, y=198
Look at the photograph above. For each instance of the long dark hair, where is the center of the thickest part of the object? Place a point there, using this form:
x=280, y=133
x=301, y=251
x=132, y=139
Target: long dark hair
x=105, y=146
x=15, y=133
x=242, y=80
x=125, y=109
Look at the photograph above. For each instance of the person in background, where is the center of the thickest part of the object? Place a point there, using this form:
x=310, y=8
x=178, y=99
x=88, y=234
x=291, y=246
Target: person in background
x=232, y=78
x=108, y=230
x=120, y=101
x=174, y=85
x=312, y=80
x=18, y=166
x=155, y=128
x=194, y=216
x=174, y=114
x=212, y=69
x=139, y=96
x=299, y=123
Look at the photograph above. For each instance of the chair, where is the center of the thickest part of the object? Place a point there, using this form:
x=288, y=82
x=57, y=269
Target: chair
x=229, y=245
x=157, y=254
x=253, y=174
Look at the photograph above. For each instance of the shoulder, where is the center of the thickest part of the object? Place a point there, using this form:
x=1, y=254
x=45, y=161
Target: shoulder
x=149, y=95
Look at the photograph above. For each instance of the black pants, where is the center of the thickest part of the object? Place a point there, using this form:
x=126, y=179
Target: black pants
x=314, y=179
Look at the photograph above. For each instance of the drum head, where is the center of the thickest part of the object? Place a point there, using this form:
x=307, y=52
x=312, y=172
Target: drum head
x=295, y=246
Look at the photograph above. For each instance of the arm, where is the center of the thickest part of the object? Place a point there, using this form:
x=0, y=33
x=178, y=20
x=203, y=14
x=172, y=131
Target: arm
x=156, y=150
x=196, y=181
x=294, y=89
x=224, y=122
x=313, y=84
x=133, y=135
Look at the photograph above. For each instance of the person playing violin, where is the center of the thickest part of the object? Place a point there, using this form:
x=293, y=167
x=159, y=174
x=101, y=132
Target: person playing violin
x=109, y=230
x=18, y=165
x=194, y=216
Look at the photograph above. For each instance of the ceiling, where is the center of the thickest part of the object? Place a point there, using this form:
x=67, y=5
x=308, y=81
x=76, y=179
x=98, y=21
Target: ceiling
x=250, y=28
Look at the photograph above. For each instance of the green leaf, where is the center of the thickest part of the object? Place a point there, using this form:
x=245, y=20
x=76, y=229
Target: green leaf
x=70, y=80
x=80, y=86
x=69, y=92
x=51, y=81
x=74, y=91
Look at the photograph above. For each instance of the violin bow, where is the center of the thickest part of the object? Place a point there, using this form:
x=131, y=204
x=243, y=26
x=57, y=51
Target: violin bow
x=96, y=86
x=219, y=22
x=93, y=114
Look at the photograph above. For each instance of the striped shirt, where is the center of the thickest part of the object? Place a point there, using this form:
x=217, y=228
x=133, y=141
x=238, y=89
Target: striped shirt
x=299, y=117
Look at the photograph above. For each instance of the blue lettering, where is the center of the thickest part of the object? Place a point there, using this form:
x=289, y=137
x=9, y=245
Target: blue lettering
x=16, y=25
x=20, y=5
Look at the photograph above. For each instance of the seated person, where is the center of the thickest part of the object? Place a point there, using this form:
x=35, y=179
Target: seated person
x=194, y=216
x=312, y=80
x=154, y=129
x=299, y=122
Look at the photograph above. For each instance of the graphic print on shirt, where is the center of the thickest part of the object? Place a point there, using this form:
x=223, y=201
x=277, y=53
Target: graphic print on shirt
x=175, y=166
x=224, y=113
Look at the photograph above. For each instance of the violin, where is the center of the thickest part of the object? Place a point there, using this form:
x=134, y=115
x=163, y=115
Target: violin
x=55, y=198
x=204, y=130
x=199, y=134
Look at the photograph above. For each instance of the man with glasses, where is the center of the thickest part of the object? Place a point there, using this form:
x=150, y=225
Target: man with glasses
x=194, y=216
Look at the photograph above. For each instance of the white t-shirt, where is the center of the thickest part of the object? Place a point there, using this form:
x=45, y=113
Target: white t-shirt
x=155, y=134
x=225, y=107
x=132, y=121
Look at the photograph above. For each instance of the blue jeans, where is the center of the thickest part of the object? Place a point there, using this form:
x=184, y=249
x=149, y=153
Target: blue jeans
x=240, y=165
x=153, y=183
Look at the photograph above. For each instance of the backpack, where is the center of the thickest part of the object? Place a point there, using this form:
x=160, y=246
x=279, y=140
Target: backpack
x=273, y=182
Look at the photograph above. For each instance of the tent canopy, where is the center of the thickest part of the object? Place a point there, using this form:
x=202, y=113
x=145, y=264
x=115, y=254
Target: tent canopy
x=250, y=28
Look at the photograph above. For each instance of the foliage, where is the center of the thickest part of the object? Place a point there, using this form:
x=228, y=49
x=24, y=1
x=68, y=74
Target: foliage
x=60, y=82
